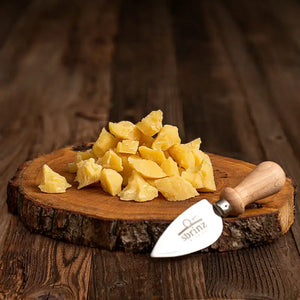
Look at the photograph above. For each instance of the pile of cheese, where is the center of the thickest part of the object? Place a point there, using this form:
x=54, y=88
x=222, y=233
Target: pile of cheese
x=137, y=161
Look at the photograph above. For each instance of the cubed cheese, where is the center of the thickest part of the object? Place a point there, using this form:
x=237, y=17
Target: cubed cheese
x=170, y=167
x=138, y=189
x=53, y=182
x=195, y=144
x=157, y=156
x=167, y=137
x=127, y=170
x=146, y=140
x=200, y=156
x=207, y=175
x=151, y=124
x=175, y=188
x=125, y=130
x=127, y=147
x=111, y=160
x=80, y=155
x=147, y=168
x=183, y=156
x=104, y=142
x=111, y=181
x=194, y=177
x=88, y=172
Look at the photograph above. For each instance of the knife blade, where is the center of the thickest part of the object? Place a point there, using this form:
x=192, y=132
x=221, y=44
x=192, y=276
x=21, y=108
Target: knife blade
x=201, y=224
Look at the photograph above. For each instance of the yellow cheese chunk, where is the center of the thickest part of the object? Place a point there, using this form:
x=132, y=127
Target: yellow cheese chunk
x=138, y=189
x=157, y=156
x=111, y=181
x=183, y=156
x=200, y=156
x=167, y=154
x=147, y=168
x=127, y=170
x=194, y=177
x=88, y=172
x=146, y=140
x=151, y=124
x=127, y=147
x=80, y=155
x=207, y=175
x=104, y=142
x=170, y=167
x=167, y=137
x=180, y=170
x=206, y=158
x=52, y=182
x=194, y=144
x=111, y=160
x=125, y=130
x=175, y=188
x=151, y=181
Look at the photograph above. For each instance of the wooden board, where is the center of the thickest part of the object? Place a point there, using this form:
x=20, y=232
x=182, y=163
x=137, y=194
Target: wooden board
x=92, y=217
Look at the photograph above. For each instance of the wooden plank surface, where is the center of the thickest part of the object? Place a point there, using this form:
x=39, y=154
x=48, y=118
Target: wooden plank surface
x=68, y=69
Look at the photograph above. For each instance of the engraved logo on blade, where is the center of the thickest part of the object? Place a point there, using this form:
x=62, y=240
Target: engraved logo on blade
x=192, y=228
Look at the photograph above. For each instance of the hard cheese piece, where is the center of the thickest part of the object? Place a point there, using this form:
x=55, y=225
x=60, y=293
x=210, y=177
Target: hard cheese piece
x=194, y=144
x=104, y=142
x=127, y=147
x=167, y=154
x=88, y=172
x=151, y=124
x=183, y=156
x=80, y=155
x=194, y=177
x=175, y=188
x=157, y=156
x=146, y=140
x=167, y=137
x=52, y=182
x=200, y=156
x=147, y=168
x=138, y=189
x=125, y=130
x=207, y=175
x=111, y=181
x=127, y=170
x=170, y=167
x=111, y=160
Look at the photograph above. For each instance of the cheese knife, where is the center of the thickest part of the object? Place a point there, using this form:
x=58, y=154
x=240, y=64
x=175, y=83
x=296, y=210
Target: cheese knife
x=201, y=224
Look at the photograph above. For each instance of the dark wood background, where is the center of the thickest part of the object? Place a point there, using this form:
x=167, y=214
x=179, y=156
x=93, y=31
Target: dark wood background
x=227, y=71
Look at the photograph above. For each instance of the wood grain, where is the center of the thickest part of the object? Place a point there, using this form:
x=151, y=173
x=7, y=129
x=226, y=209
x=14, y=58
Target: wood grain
x=270, y=129
x=250, y=267
x=10, y=13
x=59, y=276
x=202, y=65
x=266, y=179
x=145, y=42
x=63, y=67
x=51, y=134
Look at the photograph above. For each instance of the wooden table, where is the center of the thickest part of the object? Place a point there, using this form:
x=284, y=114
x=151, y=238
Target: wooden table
x=227, y=71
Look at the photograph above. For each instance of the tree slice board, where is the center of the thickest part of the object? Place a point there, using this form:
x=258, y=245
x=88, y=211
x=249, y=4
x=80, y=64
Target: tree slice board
x=92, y=217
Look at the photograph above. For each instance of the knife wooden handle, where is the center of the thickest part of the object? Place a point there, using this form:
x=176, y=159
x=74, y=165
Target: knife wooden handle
x=266, y=179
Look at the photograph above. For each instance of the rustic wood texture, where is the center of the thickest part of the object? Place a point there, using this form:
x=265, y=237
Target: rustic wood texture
x=227, y=71
x=92, y=217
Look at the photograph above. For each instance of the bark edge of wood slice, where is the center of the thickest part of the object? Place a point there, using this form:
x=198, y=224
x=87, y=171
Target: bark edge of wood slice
x=93, y=218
